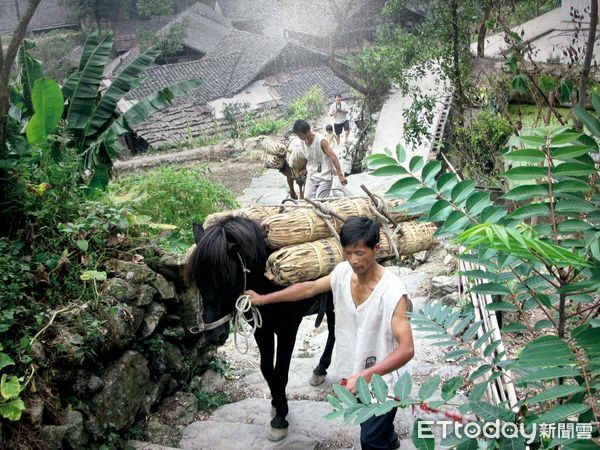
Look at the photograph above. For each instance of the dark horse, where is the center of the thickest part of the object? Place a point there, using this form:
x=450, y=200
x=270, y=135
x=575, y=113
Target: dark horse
x=229, y=257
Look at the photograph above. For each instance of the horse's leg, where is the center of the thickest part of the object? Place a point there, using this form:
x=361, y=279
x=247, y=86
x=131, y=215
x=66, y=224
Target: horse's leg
x=265, y=340
x=320, y=371
x=286, y=339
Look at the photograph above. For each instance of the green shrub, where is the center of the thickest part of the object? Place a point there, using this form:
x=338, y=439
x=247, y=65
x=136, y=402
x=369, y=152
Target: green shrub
x=207, y=401
x=309, y=106
x=478, y=148
x=235, y=115
x=267, y=125
x=172, y=196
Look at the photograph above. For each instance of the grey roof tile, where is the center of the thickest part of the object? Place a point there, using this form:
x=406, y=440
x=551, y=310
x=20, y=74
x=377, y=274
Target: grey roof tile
x=255, y=53
x=294, y=85
x=212, y=72
x=50, y=14
x=206, y=27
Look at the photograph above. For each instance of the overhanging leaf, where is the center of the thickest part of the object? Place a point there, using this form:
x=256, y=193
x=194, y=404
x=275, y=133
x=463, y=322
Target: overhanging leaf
x=429, y=387
x=48, y=105
x=403, y=387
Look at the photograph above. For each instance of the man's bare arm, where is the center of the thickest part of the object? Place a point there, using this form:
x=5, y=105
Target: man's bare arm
x=335, y=161
x=293, y=293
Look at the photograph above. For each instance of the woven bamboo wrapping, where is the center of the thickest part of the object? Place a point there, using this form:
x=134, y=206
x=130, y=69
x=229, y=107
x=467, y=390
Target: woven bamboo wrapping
x=305, y=225
x=312, y=260
x=254, y=212
x=275, y=153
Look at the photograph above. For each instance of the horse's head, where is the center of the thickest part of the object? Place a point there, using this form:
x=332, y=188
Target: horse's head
x=217, y=266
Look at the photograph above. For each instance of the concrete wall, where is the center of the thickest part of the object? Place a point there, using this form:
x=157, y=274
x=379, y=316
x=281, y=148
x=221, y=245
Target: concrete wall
x=583, y=6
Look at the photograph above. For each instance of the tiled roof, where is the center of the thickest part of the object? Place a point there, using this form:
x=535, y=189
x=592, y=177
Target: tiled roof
x=255, y=52
x=294, y=85
x=206, y=27
x=178, y=123
x=50, y=14
x=233, y=64
x=214, y=73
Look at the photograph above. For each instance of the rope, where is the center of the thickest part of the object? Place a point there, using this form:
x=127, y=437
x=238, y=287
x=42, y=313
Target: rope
x=243, y=305
x=378, y=210
x=324, y=212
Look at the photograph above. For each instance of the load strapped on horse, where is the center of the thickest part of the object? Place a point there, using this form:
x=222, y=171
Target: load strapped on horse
x=305, y=234
x=290, y=161
x=263, y=248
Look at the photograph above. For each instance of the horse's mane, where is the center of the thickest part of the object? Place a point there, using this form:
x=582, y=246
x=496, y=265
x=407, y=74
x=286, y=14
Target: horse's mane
x=214, y=262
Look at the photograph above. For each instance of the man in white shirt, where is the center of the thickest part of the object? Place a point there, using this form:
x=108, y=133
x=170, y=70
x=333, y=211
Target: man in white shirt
x=372, y=332
x=321, y=162
x=339, y=111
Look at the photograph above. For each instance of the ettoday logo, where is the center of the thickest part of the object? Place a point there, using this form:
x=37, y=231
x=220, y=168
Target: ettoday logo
x=509, y=430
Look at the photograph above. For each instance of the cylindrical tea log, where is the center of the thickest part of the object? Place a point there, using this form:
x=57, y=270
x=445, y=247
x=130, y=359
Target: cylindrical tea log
x=305, y=225
x=311, y=260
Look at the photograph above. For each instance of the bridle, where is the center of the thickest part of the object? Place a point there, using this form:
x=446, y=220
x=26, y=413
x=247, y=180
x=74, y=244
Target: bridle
x=242, y=306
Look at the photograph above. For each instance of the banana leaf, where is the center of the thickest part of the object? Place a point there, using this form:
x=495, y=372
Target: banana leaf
x=31, y=71
x=85, y=91
x=127, y=80
x=140, y=112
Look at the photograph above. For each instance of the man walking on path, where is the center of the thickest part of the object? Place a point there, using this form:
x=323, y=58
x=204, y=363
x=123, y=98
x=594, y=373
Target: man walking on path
x=339, y=111
x=321, y=161
x=372, y=332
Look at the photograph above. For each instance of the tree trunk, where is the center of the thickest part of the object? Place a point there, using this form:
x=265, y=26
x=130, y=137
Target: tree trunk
x=97, y=14
x=456, y=70
x=589, y=52
x=487, y=11
x=6, y=64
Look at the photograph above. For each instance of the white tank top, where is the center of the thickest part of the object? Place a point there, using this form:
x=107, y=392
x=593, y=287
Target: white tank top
x=316, y=159
x=363, y=334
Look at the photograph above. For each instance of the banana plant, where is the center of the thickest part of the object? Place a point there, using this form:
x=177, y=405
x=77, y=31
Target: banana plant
x=93, y=120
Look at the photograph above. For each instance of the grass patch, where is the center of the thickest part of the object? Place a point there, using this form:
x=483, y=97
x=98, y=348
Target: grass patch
x=209, y=401
x=171, y=199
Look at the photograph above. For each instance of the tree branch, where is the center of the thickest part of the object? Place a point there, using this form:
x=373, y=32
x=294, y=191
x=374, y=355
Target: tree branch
x=589, y=51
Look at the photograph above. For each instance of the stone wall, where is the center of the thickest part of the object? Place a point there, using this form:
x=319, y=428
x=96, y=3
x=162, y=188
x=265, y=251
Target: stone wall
x=143, y=352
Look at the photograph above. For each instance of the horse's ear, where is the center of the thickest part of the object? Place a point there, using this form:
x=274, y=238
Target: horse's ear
x=198, y=231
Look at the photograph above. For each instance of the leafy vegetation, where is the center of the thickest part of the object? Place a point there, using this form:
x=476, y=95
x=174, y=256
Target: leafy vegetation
x=209, y=401
x=171, y=198
x=167, y=43
x=539, y=249
x=478, y=147
x=307, y=107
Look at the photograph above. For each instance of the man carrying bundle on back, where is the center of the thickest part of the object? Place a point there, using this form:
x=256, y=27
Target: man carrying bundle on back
x=372, y=332
x=321, y=161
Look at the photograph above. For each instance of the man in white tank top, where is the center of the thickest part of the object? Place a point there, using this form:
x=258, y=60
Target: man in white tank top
x=321, y=162
x=372, y=332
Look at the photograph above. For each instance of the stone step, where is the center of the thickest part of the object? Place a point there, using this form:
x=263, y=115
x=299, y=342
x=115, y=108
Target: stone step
x=139, y=445
x=245, y=424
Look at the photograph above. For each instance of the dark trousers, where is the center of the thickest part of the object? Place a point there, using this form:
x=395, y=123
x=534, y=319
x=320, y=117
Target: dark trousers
x=378, y=432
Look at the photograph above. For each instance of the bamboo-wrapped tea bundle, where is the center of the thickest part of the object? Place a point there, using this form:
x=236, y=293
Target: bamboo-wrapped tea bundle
x=275, y=153
x=257, y=212
x=305, y=225
x=312, y=260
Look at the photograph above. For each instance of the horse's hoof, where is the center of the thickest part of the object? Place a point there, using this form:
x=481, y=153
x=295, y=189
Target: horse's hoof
x=277, y=434
x=316, y=380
